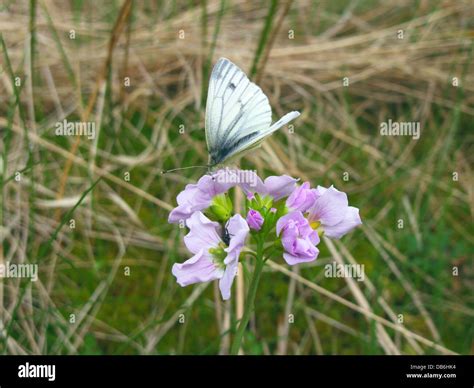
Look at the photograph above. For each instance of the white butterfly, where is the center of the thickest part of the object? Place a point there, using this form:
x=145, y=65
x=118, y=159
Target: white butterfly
x=238, y=114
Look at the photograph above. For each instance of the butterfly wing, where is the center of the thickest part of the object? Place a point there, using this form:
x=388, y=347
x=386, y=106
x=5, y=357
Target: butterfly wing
x=238, y=114
x=254, y=140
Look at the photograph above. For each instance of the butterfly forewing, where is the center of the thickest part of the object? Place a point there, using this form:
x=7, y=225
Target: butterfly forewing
x=235, y=109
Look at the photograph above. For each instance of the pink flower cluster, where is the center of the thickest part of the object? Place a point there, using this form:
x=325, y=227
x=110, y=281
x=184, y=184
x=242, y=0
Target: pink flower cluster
x=277, y=210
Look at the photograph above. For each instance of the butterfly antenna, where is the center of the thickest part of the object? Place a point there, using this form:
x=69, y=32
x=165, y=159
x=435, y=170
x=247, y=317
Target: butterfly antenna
x=183, y=168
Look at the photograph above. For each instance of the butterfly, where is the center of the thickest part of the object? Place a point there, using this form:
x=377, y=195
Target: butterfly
x=238, y=115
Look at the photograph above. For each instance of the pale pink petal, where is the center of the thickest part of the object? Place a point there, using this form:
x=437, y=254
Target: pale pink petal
x=225, y=284
x=279, y=186
x=203, y=233
x=330, y=208
x=197, y=269
x=349, y=222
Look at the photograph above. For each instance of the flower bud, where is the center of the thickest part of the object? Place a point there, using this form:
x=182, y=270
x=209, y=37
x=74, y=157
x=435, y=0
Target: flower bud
x=254, y=219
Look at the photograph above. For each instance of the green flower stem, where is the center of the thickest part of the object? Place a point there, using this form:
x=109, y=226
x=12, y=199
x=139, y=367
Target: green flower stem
x=250, y=302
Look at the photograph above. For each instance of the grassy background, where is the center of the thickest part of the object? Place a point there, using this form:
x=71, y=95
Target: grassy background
x=120, y=223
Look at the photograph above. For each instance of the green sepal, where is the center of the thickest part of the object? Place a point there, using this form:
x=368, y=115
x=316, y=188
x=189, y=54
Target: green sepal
x=221, y=207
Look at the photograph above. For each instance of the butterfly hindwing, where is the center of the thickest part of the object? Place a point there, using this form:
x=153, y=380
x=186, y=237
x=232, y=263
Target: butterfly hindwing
x=254, y=139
